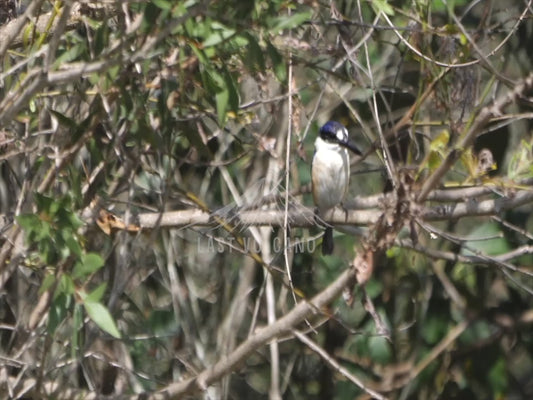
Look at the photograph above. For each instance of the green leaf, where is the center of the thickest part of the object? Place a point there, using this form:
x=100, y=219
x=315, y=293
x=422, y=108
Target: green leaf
x=97, y=294
x=290, y=22
x=253, y=58
x=72, y=244
x=77, y=324
x=163, y=4
x=233, y=93
x=88, y=264
x=221, y=99
x=220, y=33
x=70, y=55
x=383, y=6
x=42, y=231
x=498, y=378
x=151, y=12
x=44, y=203
x=27, y=35
x=440, y=143
x=101, y=316
x=63, y=120
x=48, y=281
x=280, y=69
x=101, y=39
x=220, y=84
x=66, y=285
x=58, y=311
x=465, y=274
x=434, y=328
x=73, y=220
x=181, y=8
x=374, y=288
x=487, y=239
x=379, y=349
x=28, y=222
x=32, y=105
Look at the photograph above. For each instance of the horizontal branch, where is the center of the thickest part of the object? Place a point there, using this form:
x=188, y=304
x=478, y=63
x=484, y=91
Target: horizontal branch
x=467, y=259
x=474, y=208
x=305, y=217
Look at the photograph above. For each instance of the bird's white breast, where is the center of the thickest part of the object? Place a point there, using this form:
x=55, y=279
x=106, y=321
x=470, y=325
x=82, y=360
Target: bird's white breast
x=330, y=173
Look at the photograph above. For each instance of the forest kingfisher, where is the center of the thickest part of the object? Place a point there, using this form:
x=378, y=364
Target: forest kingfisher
x=330, y=172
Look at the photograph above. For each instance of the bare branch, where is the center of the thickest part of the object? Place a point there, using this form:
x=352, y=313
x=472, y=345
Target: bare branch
x=260, y=337
x=304, y=217
x=474, y=208
x=468, y=259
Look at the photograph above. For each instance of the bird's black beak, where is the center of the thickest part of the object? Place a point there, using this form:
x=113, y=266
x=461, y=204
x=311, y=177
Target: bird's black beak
x=352, y=147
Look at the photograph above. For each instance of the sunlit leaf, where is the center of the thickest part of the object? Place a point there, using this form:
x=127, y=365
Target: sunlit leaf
x=438, y=149
x=440, y=142
x=101, y=316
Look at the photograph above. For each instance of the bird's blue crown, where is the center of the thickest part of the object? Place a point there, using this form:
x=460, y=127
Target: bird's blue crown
x=333, y=131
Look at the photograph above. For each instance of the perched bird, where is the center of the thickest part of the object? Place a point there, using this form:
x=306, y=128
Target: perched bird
x=330, y=172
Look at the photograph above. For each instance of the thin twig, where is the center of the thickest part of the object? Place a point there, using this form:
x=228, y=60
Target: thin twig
x=335, y=365
x=281, y=327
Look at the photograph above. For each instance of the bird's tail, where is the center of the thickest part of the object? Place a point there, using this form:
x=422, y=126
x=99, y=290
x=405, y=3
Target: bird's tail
x=327, y=241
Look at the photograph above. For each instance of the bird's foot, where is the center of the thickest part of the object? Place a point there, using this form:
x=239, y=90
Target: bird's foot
x=346, y=212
